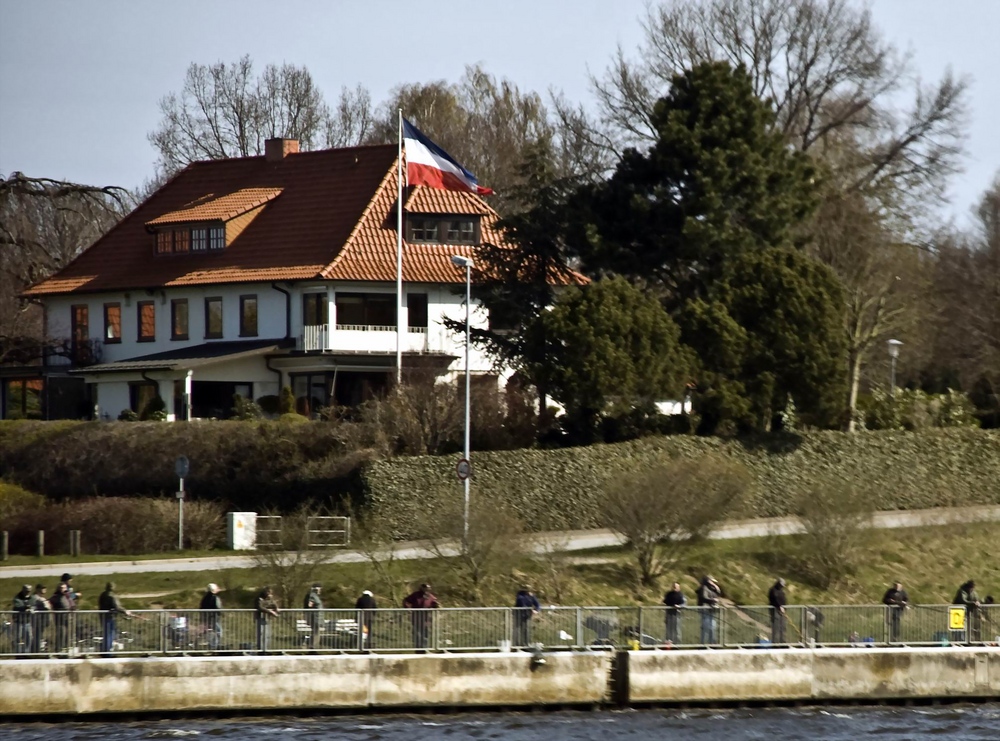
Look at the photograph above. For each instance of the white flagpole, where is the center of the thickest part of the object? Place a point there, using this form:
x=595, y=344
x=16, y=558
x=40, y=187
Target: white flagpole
x=399, y=258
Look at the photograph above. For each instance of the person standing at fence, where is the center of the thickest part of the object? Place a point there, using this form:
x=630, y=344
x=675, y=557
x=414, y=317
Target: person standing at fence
x=22, y=620
x=111, y=606
x=211, y=616
x=366, y=607
x=777, y=600
x=40, y=608
x=897, y=600
x=62, y=606
x=266, y=608
x=313, y=605
x=675, y=601
x=74, y=595
x=966, y=595
x=420, y=603
x=709, y=598
x=525, y=608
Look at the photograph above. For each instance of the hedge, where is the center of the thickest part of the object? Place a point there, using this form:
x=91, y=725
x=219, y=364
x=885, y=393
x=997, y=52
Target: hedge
x=559, y=489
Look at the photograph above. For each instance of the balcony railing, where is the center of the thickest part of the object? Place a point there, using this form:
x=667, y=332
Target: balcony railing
x=359, y=338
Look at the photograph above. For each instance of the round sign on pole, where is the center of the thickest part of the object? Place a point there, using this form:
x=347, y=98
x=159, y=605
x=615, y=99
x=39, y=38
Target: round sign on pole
x=463, y=469
x=181, y=466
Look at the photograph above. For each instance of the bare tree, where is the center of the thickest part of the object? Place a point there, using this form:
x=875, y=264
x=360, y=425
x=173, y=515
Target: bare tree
x=229, y=111
x=659, y=509
x=290, y=562
x=835, y=519
x=352, y=120
x=44, y=224
x=828, y=70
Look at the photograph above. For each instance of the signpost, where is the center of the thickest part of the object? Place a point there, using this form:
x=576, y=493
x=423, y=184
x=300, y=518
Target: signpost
x=181, y=467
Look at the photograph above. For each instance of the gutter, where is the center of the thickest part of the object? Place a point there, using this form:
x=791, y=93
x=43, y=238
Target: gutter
x=288, y=309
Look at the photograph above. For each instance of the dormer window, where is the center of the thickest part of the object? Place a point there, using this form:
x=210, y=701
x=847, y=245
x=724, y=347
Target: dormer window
x=443, y=229
x=181, y=240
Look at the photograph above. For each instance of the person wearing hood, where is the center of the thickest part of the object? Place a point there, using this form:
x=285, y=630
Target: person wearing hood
x=709, y=598
x=897, y=600
x=74, y=595
x=966, y=595
x=111, y=606
x=525, y=608
x=777, y=599
x=22, y=620
x=366, y=606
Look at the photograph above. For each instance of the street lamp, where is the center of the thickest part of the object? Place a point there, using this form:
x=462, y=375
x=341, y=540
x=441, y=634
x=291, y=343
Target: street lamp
x=893, y=354
x=464, y=471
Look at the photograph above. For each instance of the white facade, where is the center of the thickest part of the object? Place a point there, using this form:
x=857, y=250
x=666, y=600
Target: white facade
x=310, y=348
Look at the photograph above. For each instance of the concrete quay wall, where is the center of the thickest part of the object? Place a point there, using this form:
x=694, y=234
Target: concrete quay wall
x=357, y=682
x=812, y=675
x=181, y=684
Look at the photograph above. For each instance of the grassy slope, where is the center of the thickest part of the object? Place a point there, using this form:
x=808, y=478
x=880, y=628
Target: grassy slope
x=931, y=562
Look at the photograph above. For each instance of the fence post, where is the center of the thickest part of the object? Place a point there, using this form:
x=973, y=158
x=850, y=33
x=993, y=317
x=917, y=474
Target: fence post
x=41, y=544
x=74, y=542
x=4, y=544
x=579, y=627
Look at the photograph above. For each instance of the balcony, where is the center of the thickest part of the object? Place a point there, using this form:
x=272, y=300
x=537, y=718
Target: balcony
x=360, y=338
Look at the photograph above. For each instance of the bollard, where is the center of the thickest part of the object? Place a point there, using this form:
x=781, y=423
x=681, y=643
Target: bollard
x=41, y=543
x=74, y=542
x=4, y=544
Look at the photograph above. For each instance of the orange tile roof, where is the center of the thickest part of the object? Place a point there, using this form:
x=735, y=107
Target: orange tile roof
x=335, y=219
x=218, y=208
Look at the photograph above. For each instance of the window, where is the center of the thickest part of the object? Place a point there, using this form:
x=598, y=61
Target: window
x=213, y=318
x=417, y=310
x=79, y=324
x=179, y=319
x=314, y=309
x=190, y=239
x=248, y=316
x=146, y=311
x=22, y=398
x=443, y=230
x=366, y=311
x=112, y=323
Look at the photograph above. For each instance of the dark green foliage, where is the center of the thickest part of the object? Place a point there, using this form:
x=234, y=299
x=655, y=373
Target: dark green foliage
x=286, y=401
x=556, y=489
x=612, y=347
x=154, y=411
x=269, y=404
x=245, y=409
x=127, y=415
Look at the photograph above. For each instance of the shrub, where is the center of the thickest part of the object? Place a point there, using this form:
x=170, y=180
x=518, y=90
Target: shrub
x=15, y=499
x=154, y=411
x=835, y=519
x=269, y=404
x=127, y=415
x=245, y=409
x=286, y=401
x=916, y=410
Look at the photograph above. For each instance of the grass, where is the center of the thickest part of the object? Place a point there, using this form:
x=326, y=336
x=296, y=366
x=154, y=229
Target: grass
x=931, y=562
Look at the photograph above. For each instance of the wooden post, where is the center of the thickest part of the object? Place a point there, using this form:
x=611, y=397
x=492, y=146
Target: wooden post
x=74, y=542
x=41, y=543
x=4, y=544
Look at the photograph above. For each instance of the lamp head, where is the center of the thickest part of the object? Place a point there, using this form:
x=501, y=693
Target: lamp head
x=894, y=348
x=462, y=262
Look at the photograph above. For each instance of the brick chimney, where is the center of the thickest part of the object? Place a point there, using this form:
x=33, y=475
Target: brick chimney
x=275, y=150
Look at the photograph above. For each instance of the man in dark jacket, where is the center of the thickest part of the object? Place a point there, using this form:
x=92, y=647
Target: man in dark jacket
x=74, y=595
x=709, y=598
x=22, y=620
x=313, y=605
x=896, y=599
x=366, y=606
x=111, y=606
x=674, y=600
x=525, y=608
x=421, y=602
x=266, y=608
x=211, y=617
x=40, y=608
x=966, y=595
x=777, y=600
x=62, y=607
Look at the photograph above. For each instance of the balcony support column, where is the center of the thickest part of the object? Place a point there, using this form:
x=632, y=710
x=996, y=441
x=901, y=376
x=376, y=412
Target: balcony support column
x=331, y=315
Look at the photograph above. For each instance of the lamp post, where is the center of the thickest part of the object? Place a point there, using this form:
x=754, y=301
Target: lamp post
x=464, y=471
x=893, y=354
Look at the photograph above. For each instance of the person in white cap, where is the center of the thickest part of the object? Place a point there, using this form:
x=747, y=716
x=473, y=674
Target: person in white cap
x=211, y=618
x=367, y=605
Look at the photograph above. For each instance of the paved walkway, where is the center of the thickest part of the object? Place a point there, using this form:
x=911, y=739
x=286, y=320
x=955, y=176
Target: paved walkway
x=563, y=541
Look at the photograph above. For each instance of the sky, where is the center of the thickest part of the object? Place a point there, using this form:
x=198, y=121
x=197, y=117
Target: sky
x=80, y=80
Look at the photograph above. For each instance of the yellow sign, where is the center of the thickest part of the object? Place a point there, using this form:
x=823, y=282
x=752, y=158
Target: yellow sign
x=956, y=618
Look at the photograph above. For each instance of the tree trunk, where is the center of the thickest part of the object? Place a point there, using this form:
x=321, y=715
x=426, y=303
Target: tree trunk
x=853, y=383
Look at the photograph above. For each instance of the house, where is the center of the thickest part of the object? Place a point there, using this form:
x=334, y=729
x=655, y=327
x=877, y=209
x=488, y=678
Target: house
x=243, y=276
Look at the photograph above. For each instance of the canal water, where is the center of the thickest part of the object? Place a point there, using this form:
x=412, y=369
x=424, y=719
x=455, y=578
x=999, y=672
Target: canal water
x=953, y=722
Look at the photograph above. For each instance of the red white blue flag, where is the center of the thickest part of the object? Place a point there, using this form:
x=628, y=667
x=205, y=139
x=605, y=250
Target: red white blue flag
x=428, y=164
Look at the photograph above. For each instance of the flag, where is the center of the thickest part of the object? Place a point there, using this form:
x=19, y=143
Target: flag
x=428, y=164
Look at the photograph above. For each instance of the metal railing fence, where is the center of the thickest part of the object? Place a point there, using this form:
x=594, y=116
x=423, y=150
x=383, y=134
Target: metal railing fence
x=167, y=632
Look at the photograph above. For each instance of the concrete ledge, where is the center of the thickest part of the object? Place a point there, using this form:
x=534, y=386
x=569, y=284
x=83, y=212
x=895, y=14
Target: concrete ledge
x=812, y=674
x=135, y=685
